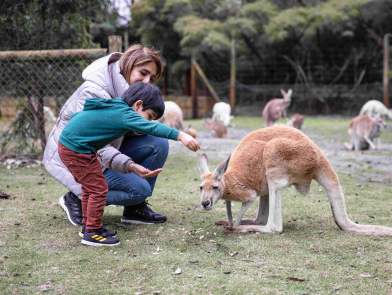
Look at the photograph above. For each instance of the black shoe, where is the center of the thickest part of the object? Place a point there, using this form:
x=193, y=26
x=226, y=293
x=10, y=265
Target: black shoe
x=141, y=214
x=102, y=231
x=97, y=239
x=73, y=207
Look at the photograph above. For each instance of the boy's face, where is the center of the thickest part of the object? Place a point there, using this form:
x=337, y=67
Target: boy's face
x=146, y=114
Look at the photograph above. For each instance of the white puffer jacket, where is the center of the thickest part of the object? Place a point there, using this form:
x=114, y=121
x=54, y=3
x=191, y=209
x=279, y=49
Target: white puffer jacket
x=102, y=80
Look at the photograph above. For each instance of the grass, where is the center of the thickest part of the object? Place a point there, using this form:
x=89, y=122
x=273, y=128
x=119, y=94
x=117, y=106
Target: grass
x=41, y=253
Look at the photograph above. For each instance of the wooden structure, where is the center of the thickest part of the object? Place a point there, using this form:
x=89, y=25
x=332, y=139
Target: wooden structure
x=32, y=54
x=204, y=105
x=207, y=104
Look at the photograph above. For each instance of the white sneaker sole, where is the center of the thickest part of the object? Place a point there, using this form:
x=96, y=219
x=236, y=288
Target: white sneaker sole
x=62, y=204
x=130, y=221
x=97, y=244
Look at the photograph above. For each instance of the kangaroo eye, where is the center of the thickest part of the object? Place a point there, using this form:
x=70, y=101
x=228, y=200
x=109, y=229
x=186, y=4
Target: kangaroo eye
x=215, y=187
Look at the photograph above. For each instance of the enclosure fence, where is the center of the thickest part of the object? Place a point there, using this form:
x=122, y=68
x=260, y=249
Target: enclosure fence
x=339, y=83
x=31, y=79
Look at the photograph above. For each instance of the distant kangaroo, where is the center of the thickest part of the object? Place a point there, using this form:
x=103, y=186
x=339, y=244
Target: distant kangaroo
x=276, y=107
x=296, y=121
x=362, y=131
x=266, y=161
x=218, y=128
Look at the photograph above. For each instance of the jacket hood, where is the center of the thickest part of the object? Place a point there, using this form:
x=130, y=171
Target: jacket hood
x=107, y=76
x=102, y=103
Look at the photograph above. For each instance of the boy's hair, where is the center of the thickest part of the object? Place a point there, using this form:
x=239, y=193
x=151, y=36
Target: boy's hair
x=149, y=94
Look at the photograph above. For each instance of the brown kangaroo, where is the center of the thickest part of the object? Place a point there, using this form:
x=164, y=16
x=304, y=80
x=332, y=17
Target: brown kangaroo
x=217, y=127
x=363, y=130
x=296, y=121
x=276, y=107
x=266, y=161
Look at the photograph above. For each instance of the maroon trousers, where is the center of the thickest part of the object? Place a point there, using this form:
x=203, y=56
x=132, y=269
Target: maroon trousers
x=87, y=171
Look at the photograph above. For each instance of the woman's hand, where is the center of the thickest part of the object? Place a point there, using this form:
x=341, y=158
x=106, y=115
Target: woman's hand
x=142, y=171
x=188, y=141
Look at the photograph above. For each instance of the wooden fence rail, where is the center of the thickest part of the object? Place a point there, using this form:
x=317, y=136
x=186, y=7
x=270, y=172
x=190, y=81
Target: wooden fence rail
x=31, y=54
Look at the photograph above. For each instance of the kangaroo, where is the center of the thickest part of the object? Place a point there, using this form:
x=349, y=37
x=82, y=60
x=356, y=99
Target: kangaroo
x=217, y=127
x=296, y=121
x=362, y=131
x=276, y=107
x=266, y=161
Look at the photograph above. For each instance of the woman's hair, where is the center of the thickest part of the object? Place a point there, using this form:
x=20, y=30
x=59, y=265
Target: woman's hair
x=149, y=94
x=137, y=55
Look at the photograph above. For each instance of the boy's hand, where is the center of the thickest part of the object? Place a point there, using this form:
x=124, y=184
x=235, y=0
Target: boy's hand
x=188, y=141
x=142, y=171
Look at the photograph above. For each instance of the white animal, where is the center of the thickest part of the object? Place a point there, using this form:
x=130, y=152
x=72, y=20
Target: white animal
x=376, y=109
x=173, y=115
x=222, y=112
x=363, y=130
x=266, y=161
x=50, y=117
x=276, y=107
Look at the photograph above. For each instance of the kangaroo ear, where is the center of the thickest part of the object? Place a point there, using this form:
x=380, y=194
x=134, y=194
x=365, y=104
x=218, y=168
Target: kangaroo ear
x=283, y=92
x=289, y=93
x=203, y=164
x=221, y=169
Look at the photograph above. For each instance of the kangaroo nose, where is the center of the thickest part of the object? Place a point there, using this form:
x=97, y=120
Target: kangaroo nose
x=205, y=203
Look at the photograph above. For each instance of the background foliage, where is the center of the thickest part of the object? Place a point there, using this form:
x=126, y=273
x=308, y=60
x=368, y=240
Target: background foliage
x=307, y=43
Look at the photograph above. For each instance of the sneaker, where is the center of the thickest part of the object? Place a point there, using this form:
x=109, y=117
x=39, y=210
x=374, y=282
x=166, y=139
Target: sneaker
x=97, y=239
x=73, y=207
x=141, y=214
x=103, y=231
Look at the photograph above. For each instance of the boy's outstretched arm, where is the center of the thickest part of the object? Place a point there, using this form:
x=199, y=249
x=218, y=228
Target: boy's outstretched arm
x=188, y=141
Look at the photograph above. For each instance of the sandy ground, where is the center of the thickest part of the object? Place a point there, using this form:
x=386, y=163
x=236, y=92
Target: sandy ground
x=364, y=166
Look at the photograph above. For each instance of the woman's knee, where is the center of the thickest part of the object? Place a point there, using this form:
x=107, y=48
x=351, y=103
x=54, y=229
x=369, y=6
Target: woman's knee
x=144, y=146
x=161, y=146
x=141, y=190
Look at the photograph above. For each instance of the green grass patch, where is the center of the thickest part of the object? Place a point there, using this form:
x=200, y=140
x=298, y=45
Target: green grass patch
x=41, y=252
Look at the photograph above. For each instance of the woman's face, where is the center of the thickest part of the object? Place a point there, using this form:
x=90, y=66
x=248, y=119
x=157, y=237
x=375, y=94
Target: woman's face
x=145, y=73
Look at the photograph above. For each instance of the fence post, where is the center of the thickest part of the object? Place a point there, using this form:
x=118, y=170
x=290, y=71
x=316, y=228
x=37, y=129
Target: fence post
x=233, y=69
x=115, y=43
x=194, y=89
x=386, y=69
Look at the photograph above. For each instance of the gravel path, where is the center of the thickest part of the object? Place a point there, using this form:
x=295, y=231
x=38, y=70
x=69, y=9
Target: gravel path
x=365, y=166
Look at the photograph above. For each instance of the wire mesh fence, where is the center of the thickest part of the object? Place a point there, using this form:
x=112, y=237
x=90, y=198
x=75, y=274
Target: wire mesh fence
x=341, y=82
x=31, y=79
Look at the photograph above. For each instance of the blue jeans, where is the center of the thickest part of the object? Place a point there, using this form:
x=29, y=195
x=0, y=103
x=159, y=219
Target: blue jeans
x=128, y=189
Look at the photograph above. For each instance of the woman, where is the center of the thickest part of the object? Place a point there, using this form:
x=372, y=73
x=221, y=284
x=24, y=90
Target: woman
x=109, y=77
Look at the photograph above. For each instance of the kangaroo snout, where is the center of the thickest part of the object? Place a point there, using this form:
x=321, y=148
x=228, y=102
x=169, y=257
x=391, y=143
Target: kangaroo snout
x=206, y=204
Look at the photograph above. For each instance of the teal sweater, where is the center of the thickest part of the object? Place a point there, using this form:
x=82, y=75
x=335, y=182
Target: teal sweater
x=103, y=120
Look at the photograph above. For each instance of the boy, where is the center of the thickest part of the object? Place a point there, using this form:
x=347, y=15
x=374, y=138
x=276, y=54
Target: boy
x=100, y=122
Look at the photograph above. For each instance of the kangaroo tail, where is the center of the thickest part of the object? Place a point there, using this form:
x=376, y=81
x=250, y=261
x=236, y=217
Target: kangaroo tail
x=327, y=178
